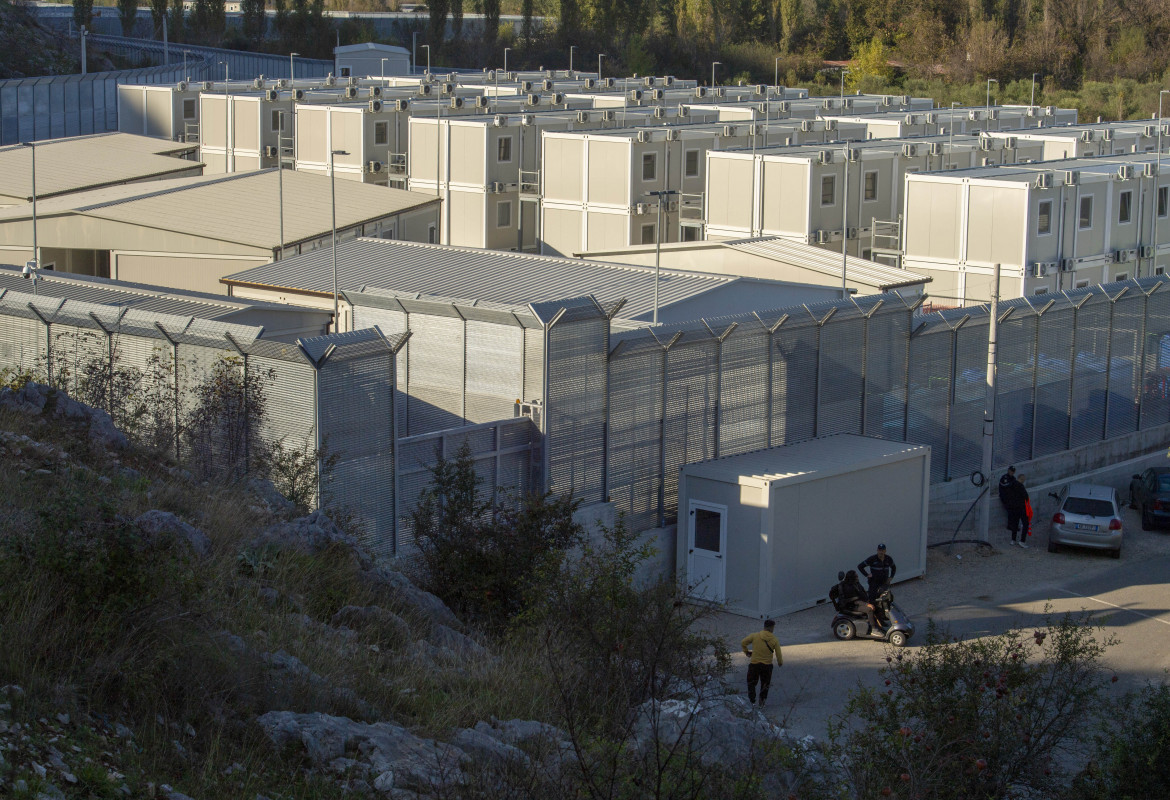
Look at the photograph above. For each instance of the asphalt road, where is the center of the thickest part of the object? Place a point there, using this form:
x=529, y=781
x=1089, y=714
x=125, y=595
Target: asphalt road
x=979, y=595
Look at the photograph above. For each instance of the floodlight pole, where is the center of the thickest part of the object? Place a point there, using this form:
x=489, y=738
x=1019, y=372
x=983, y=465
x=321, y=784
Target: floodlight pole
x=599, y=57
x=572, y=47
x=280, y=175
x=661, y=195
x=333, y=206
x=845, y=227
x=1032, y=102
x=714, y=64
x=989, y=411
x=166, y=43
x=36, y=265
x=84, y=33
x=413, y=52
x=951, y=132
x=186, y=75
x=227, y=115
x=506, y=49
x=987, y=106
x=292, y=69
x=384, y=60
x=776, y=74
x=843, y=71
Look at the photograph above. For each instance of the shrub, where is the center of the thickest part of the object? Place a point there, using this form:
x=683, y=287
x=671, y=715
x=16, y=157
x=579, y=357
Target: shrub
x=1131, y=751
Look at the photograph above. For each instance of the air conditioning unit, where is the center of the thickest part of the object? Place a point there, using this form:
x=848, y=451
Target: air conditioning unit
x=936, y=148
x=1146, y=251
x=1072, y=177
x=608, y=115
x=374, y=91
x=525, y=86
x=635, y=95
x=1131, y=254
x=830, y=124
x=700, y=91
x=910, y=119
x=683, y=112
x=904, y=99
x=642, y=208
x=644, y=136
x=824, y=237
x=401, y=104
x=1050, y=111
x=258, y=83
x=910, y=150
x=424, y=89
x=672, y=136
x=375, y=105
x=974, y=116
x=986, y=144
x=1150, y=131
x=181, y=86
x=548, y=73
x=728, y=130
x=499, y=120
x=847, y=103
x=825, y=157
x=374, y=167
x=270, y=151
x=1040, y=269
x=1107, y=135
x=557, y=99
x=350, y=92
x=547, y=85
x=490, y=75
x=932, y=118
x=1044, y=180
x=298, y=94
x=887, y=100
x=657, y=94
x=1010, y=142
x=852, y=154
x=1068, y=264
x=659, y=112
x=807, y=125
x=1125, y=172
x=755, y=130
x=607, y=83
x=271, y=94
x=588, y=83
x=649, y=80
x=456, y=102
x=527, y=119
x=783, y=107
x=672, y=205
x=993, y=113
x=1086, y=136
x=1150, y=170
x=1033, y=111
x=828, y=104
x=330, y=80
x=350, y=81
x=482, y=101
x=496, y=187
x=208, y=86
x=582, y=116
x=1118, y=256
x=761, y=89
x=533, y=100
x=719, y=91
x=668, y=80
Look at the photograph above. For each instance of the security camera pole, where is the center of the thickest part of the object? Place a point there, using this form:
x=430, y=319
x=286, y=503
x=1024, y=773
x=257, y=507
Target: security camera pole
x=31, y=268
x=989, y=412
x=333, y=205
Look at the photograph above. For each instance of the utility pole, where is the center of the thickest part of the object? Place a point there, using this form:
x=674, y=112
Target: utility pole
x=166, y=43
x=989, y=411
x=84, y=33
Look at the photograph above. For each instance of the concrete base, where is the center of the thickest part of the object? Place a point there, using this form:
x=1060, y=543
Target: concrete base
x=1111, y=463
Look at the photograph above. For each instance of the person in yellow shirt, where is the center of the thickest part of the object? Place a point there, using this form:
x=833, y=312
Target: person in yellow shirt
x=761, y=647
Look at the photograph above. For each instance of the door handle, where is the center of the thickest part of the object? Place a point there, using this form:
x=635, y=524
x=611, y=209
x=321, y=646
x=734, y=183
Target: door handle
x=691, y=550
x=719, y=556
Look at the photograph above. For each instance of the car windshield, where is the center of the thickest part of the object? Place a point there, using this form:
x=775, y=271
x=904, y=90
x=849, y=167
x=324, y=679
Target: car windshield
x=1088, y=506
x=1164, y=483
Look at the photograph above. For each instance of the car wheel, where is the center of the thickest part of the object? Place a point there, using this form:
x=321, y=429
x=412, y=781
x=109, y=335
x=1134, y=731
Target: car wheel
x=898, y=639
x=1115, y=553
x=844, y=630
x=1053, y=547
x=1147, y=522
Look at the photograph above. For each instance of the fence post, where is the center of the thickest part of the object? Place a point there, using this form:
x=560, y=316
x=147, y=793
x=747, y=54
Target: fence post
x=1036, y=371
x=1140, y=370
x=1109, y=361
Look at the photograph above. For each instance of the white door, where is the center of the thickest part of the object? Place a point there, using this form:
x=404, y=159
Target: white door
x=706, y=544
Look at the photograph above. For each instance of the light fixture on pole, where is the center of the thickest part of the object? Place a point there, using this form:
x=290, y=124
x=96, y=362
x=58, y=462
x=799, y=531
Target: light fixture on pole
x=599, y=57
x=84, y=34
x=427, y=47
x=31, y=268
x=384, y=60
x=292, y=67
x=572, y=47
x=845, y=227
x=776, y=75
x=186, y=75
x=438, y=120
x=333, y=205
x=1032, y=102
x=1158, y=209
x=714, y=64
x=280, y=174
x=506, y=49
x=843, y=71
x=951, y=133
x=662, y=196
x=227, y=116
x=990, y=81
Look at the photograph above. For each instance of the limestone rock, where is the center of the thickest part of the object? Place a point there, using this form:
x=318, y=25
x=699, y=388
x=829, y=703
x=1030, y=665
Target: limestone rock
x=311, y=534
x=425, y=603
x=276, y=502
x=159, y=524
x=456, y=642
x=373, y=620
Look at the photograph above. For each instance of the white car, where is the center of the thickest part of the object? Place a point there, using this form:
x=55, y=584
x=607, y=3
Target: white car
x=1088, y=516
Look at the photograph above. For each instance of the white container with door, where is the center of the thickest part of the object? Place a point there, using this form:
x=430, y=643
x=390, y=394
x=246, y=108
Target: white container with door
x=765, y=533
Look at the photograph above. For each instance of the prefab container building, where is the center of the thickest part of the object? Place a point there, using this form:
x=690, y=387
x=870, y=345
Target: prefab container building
x=370, y=59
x=767, y=532
x=373, y=136
x=598, y=197
x=897, y=124
x=1053, y=226
x=251, y=129
x=804, y=107
x=1094, y=139
x=167, y=111
x=799, y=193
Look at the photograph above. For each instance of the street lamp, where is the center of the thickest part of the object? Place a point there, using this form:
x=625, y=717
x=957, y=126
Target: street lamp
x=990, y=81
x=384, y=60
x=280, y=174
x=599, y=57
x=186, y=75
x=333, y=204
x=843, y=71
x=292, y=68
x=506, y=49
x=227, y=115
x=662, y=196
x=31, y=267
x=572, y=47
x=438, y=122
x=428, y=49
x=776, y=74
x=714, y=64
x=1032, y=102
x=951, y=132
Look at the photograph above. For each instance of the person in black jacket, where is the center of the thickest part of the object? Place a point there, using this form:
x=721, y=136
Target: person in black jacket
x=879, y=569
x=1015, y=500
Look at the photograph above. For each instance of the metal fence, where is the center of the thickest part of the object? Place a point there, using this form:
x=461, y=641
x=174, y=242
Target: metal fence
x=331, y=393
x=1074, y=368
x=206, y=63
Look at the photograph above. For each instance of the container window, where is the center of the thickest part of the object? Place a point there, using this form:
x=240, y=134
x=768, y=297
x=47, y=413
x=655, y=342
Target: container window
x=1086, y=218
x=1162, y=198
x=189, y=109
x=381, y=133
x=1044, y=218
x=871, y=185
x=504, y=214
x=648, y=234
x=432, y=234
x=692, y=164
x=1082, y=284
x=649, y=166
x=1125, y=208
x=276, y=115
x=504, y=150
x=828, y=190
x=1121, y=276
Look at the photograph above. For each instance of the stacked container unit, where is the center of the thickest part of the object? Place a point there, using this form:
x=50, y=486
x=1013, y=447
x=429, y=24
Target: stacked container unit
x=1052, y=226
x=373, y=135
x=164, y=111
x=1088, y=141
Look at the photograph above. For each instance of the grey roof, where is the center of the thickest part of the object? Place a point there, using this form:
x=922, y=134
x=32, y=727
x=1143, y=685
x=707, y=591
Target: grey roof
x=376, y=46
x=825, y=262
x=80, y=163
x=1104, y=166
x=137, y=296
x=808, y=460
x=242, y=207
x=466, y=273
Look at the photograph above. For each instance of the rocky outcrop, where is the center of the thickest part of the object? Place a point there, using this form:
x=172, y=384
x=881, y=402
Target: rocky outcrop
x=37, y=399
x=311, y=534
x=162, y=525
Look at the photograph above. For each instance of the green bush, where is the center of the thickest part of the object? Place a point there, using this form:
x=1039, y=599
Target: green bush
x=1132, y=751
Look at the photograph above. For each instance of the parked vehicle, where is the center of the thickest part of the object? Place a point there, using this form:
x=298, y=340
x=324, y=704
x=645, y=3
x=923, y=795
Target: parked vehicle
x=1151, y=493
x=845, y=624
x=1088, y=516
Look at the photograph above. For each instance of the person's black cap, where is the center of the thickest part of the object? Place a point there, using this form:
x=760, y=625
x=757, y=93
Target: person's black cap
x=1011, y=469
x=882, y=546
x=769, y=623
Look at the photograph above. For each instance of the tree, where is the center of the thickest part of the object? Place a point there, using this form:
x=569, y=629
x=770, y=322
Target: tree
x=456, y=19
x=177, y=26
x=128, y=16
x=526, y=11
x=254, y=20
x=82, y=13
x=158, y=13
x=209, y=20
x=437, y=25
x=871, y=69
x=491, y=20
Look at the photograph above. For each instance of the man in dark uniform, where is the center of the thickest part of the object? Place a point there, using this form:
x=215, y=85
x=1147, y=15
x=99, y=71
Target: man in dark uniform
x=879, y=569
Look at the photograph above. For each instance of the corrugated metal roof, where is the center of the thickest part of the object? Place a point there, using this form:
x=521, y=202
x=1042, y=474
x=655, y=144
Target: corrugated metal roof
x=512, y=279
x=808, y=460
x=86, y=162
x=825, y=262
x=135, y=296
x=241, y=207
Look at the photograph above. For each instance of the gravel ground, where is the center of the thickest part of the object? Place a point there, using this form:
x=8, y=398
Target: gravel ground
x=975, y=591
